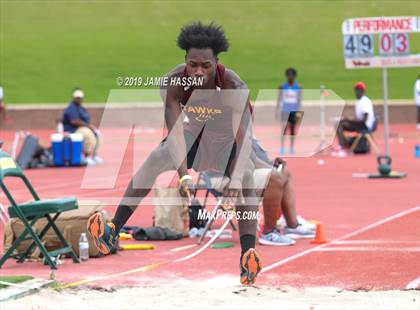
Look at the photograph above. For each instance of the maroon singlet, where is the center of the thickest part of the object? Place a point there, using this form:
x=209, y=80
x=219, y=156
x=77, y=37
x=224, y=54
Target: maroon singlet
x=213, y=121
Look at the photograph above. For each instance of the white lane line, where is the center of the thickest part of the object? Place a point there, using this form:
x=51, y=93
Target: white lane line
x=368, y=249
x=205, y=245
x=413, y=285
x=376, y=242
x=356, y=232
x=185, y=247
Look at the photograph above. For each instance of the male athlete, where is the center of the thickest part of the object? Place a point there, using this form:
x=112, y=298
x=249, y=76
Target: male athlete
x=217, y=137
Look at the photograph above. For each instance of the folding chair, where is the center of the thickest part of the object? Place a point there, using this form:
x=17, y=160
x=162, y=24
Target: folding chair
x=212, y=183
x=30, y=212
x=368, y=135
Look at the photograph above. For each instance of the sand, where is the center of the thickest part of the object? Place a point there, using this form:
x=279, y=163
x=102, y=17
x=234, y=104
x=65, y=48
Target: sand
x=218, y=293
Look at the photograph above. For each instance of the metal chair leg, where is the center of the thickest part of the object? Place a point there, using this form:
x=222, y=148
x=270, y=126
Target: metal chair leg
x=209, y=222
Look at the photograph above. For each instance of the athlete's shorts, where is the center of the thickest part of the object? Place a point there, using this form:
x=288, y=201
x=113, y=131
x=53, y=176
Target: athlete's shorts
x=197, y=154
x=261, y=178
x=290, y=117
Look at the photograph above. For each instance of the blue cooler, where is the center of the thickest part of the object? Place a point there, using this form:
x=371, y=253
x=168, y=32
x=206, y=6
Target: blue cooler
x=76, y=149
x=57, y=149
x=67, y=151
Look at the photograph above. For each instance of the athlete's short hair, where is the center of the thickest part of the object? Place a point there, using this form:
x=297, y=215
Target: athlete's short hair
x=291, y=70
x=197, y=35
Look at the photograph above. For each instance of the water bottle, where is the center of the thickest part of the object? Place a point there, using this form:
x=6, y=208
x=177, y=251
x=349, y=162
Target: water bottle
x=83, y=247
x=60, y=127
x=417, y=150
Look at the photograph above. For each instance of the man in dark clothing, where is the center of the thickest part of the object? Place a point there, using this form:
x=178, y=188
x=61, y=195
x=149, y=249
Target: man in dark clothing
x=76, y=119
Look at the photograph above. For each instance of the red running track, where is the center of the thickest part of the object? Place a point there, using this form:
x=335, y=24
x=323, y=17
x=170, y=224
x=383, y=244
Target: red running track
x=374, y=254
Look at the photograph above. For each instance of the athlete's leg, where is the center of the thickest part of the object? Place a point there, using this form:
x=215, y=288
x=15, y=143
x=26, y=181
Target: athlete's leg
x=104, y=234
x=292, y=126
x=283, y=130
x=250, y=263
x=288, y=202
x=279, y=194
x=142, y=183
x=293, y=119
x=272, y=199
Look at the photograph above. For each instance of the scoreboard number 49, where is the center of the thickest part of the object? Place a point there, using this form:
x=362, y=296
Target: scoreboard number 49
x=388, y=44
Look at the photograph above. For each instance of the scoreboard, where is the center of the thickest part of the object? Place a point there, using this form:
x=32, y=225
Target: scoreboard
x=380, y=42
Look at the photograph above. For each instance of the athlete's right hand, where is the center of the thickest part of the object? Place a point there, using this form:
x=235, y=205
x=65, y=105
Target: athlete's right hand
x=187, y=188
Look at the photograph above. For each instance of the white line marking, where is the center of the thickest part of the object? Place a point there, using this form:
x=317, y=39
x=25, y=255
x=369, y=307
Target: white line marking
x=413, y=285
x=185, y=247
x=375, y=242
x=220, y=230
x=380, y=222
x=367, y=249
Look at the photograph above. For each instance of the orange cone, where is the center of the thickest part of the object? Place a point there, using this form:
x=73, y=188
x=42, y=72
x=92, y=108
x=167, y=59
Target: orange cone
x=320, y=236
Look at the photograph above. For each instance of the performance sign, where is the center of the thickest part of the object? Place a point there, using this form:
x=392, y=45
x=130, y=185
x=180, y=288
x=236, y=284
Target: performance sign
x=380, y=42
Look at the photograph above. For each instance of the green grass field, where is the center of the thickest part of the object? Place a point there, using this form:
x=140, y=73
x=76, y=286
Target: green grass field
x=47, y=47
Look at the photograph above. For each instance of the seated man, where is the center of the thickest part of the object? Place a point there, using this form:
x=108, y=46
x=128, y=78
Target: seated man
x=365, y=118
x=76, y=119
x=278, y=193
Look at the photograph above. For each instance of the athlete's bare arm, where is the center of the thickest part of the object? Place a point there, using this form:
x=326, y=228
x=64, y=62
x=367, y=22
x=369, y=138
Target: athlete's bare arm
x=278, y=106
x=300, y=95
x=173, y=120
x=242, y=126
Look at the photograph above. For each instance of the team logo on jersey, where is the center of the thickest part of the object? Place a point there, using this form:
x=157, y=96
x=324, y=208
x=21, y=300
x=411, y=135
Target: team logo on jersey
x=202, y=113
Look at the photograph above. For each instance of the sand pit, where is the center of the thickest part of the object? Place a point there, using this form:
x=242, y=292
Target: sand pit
x=218, y=293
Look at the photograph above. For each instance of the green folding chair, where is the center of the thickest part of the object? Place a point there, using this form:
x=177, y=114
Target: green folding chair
x=30, y=212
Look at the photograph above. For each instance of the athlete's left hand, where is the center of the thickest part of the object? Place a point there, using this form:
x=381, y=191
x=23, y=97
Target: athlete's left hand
x=279, y=161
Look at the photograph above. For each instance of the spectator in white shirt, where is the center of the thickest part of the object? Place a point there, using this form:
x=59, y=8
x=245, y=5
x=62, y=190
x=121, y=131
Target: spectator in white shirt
x=417, y=100
x=364, y=116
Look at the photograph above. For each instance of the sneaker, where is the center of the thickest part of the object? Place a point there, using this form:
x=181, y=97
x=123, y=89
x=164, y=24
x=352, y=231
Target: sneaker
x=303, y=222
x=98, y=160
x=251, y=266
x=342, y=154
x=282, y=151
x=103, y=233
x=275, y=238
x=299, y=232
x=281, y=223
x=292, y=150
x=90, y=161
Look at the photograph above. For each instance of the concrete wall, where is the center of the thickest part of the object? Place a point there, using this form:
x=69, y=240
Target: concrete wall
x=44, y=116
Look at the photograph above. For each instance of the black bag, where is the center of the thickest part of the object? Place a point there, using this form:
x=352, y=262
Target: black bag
x=362, y=147
x=193, y=211
x=33, y=155
x=29, y=150
x=42, y=159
